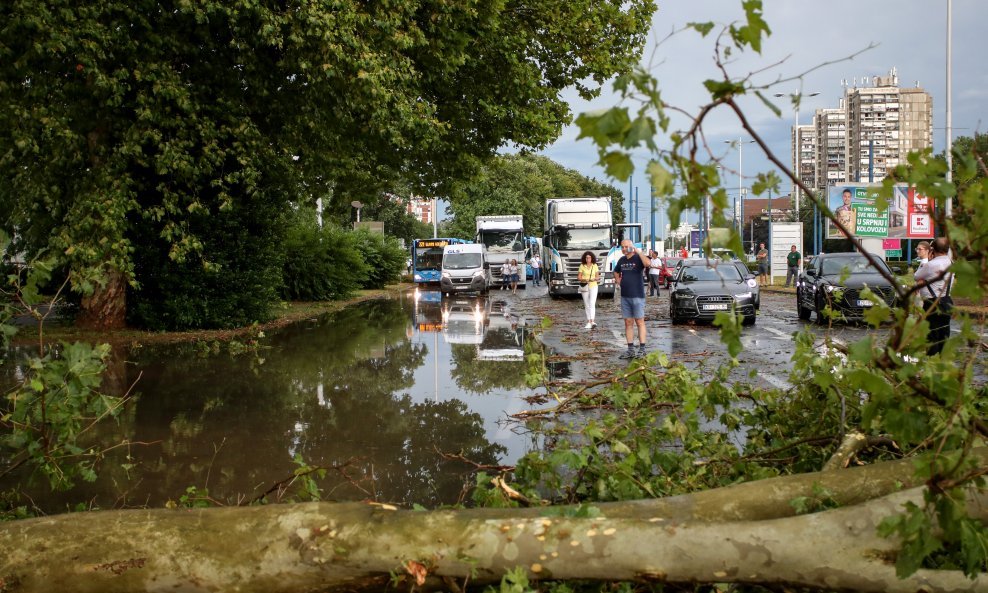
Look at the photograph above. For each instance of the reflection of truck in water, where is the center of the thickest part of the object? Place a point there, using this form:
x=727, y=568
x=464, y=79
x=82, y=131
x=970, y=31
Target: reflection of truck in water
x=504, y=339
x=464, y=319
x=572, y=227
x=503, y=235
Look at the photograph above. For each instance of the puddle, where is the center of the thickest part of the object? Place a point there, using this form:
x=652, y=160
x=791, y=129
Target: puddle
x=371, y=393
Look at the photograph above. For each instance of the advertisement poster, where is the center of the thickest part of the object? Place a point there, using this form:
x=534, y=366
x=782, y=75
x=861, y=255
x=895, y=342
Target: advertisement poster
x=919, y=224
x=846, y=201
x=909, y=214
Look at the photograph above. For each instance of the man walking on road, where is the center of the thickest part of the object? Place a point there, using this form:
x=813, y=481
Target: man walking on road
x=762, y=258
x=536, y=265
x=792, y=265
x=628, y=274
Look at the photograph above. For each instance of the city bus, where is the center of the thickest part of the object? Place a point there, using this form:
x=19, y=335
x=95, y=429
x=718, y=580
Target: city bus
x=427, y=258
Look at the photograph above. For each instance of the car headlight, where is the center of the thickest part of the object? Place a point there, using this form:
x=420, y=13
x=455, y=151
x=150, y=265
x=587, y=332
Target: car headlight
x=685, y=297
x=418, y=276
x=447, y=275
x=831, y=287
x=478, y=273
x=742, y=296
x=752, y=284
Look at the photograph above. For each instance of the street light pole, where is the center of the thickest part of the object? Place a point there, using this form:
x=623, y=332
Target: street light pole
x=739, y=225
x=948, y=205
x=796, y=98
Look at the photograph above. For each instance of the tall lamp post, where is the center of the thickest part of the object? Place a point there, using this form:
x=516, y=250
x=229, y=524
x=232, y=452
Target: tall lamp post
x=739, y=214
x=797, y=97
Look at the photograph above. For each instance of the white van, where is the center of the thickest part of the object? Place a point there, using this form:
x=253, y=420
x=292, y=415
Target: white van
x=465, y=269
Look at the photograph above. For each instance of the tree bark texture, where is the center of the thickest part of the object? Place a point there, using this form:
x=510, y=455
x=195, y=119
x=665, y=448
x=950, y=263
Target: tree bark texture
x=356, y=546
x=106, y=307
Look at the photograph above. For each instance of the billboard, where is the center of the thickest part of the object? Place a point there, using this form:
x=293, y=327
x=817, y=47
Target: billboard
x=908, y=215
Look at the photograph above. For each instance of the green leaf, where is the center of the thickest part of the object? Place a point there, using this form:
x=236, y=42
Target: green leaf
x=618, y=165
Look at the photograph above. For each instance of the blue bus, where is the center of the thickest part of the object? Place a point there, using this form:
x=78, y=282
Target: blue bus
x=427, y=258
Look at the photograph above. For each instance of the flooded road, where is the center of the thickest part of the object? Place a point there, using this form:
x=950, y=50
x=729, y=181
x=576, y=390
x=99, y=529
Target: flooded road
x=390, y=397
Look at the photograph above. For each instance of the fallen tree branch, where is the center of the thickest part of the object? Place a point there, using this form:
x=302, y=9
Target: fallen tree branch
x=353, y=547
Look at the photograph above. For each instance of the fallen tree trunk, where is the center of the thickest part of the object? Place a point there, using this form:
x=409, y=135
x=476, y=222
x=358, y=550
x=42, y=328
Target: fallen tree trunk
x=355, y=546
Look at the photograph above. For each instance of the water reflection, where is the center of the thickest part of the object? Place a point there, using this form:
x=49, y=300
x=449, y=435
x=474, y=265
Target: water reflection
x=365, y=391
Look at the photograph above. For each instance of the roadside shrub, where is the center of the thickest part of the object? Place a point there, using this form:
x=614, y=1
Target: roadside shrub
x=230, y=282
x=384, y=256
x=322, y=264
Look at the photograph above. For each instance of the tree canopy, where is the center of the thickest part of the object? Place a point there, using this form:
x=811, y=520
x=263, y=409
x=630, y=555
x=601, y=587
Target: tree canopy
x=139, y=126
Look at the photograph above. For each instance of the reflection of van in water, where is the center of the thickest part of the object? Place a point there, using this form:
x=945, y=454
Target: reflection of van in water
x=465, y=269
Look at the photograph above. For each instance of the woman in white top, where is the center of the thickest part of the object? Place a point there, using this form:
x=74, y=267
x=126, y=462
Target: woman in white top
x=589, y=276
x=654, y=274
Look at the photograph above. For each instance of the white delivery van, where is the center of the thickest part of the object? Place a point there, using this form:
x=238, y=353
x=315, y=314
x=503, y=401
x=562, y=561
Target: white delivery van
x=465, y=269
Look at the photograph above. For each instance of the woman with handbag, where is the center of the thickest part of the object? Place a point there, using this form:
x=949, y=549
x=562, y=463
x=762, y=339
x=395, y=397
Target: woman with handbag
x=589, y=275
x=934, y=282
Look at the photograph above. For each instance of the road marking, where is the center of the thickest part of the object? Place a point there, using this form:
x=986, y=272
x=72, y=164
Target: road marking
x=783, y=335
x=777, y=382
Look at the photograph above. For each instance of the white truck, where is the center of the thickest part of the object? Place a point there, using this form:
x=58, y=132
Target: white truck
x=503, y=235
x=574, y=226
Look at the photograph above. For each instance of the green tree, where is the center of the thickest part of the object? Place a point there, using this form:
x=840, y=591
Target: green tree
x=520, y=184
x=165, y=114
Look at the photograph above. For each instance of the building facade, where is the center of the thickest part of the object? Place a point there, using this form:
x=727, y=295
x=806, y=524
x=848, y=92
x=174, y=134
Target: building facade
x=871, y=132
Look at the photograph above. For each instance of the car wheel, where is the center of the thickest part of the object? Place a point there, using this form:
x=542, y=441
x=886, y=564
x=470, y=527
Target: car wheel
x=821, y=319
x=803, y=312
x=748, y=320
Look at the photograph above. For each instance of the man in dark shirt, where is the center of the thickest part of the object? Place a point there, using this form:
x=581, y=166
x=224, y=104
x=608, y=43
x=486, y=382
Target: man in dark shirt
x=792, y=265
x=628, y=274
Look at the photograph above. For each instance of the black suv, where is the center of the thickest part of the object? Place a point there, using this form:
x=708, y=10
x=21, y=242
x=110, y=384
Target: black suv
x=838, y=279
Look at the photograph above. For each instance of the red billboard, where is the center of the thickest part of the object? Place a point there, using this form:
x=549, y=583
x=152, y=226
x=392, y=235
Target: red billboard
x=919, y=215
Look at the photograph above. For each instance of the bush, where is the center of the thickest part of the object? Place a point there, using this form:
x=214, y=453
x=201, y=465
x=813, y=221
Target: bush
x=230, y=282
x=322, y=263
x=384, y=256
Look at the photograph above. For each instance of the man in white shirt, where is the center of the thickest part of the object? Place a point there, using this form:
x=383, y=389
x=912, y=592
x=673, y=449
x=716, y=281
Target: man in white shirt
x=934, y=282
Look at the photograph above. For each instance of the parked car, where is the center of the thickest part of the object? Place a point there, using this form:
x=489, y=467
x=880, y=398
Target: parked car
x=838, y=279
x=703, y=288
x=669, y=270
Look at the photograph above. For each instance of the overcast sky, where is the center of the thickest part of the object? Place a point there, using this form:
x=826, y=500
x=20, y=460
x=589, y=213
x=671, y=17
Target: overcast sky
x=910, y=36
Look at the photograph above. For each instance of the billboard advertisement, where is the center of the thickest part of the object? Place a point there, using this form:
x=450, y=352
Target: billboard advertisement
x=909, y=214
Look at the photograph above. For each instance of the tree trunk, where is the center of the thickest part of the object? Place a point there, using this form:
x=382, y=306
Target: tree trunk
x=354, y=546
x=106, y=307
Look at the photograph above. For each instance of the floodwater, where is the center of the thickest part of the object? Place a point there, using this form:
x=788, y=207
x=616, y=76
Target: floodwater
x=375, y=394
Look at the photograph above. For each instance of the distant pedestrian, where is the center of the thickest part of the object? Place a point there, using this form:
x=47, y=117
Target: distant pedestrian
x=763, y=269
x=654, y=274
x=513, y=278
x=793, y=261
x=683, y=252
x=935, y=281
x=506, y=275
x=628, y=274
x=536, y=265
x=588, y=276
x=922, y=253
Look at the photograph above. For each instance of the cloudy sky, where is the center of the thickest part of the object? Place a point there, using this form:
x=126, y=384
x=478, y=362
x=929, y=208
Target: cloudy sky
x=812, y=38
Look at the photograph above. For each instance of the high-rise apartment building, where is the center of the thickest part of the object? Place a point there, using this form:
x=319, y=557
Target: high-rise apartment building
x=885, y=123
x=830, y=163
x=867, y=136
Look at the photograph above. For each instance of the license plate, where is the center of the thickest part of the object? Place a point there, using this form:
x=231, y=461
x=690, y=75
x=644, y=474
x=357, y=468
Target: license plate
x=865, y=303
x=717, y=307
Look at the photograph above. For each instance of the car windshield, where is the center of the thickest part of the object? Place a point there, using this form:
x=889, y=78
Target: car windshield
x=853, y=265
x=583, y=238
x=704, y=274
x=672, y=261
x=462, y=261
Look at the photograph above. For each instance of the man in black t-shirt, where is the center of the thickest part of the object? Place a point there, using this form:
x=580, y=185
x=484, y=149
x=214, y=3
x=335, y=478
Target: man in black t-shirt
x=628, y=274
